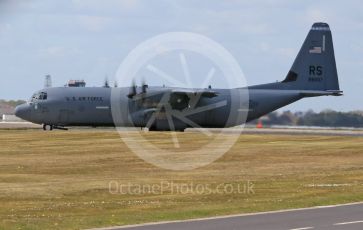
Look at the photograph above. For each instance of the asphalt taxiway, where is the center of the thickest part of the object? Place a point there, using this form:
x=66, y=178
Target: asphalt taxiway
x=246, y=130
x=349, y=216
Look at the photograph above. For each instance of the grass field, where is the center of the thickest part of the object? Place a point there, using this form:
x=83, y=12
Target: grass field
x=60, y=180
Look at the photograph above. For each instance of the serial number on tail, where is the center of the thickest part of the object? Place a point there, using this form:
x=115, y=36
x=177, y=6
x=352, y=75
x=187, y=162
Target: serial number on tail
x=315, y=72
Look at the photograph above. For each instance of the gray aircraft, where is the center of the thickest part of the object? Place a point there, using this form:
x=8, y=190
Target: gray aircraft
x=312, y=74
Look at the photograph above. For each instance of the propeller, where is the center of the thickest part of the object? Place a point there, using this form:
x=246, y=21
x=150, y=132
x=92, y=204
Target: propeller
x=144, y=86
x=106, y=83
x=132, y=92
x=140, y=97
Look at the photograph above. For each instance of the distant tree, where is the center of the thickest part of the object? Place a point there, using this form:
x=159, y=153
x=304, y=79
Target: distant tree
x=325, y=118
x=12, y=103
x=332, y=119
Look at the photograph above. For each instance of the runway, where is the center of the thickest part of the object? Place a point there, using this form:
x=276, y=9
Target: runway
x=19, y=125
x=348, y=217
x=305, y=131
x=290, y=131
x=246, y=130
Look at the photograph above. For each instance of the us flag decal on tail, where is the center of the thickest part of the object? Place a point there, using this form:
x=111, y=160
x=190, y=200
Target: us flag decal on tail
x=315, y=50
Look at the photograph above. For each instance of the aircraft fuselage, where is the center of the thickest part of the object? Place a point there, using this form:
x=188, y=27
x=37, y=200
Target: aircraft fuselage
x=91, y=106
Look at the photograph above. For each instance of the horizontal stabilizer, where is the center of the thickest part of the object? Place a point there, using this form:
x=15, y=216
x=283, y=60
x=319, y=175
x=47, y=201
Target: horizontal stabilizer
x=315, y=93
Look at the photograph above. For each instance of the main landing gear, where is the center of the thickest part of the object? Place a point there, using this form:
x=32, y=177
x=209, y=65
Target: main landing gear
x=47, y=127
x=51, y=127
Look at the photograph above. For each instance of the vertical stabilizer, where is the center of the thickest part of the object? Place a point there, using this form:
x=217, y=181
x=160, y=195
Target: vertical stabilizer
x=314, y=67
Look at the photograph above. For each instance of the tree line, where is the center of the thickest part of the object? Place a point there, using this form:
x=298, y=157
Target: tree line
x=326, y=118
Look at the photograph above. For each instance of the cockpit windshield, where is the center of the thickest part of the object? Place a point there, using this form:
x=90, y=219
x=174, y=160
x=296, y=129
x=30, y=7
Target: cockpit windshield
x=39, y=96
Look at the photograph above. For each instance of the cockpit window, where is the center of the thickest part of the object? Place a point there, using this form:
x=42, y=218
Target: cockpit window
x=43, y=96
x=39, y=96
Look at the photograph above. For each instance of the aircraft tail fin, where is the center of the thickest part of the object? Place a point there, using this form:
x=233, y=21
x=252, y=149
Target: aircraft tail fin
x=314, y=67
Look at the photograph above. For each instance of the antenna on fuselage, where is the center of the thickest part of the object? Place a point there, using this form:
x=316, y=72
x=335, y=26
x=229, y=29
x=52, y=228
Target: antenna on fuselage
x=48, y=81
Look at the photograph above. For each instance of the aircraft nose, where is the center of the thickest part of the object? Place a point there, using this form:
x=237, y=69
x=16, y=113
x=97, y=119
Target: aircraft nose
x=23, y=111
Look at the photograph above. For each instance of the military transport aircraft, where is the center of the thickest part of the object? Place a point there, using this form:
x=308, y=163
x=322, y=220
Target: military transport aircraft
x=312, y=74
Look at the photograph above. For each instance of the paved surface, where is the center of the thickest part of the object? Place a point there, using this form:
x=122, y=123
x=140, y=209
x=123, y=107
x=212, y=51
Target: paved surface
x=293, y=131
x=306, y=131
x=247, y=130
x=348, y=217
x=19, y=125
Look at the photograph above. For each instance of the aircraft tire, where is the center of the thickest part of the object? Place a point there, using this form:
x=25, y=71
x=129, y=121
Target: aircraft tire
x=47, y=127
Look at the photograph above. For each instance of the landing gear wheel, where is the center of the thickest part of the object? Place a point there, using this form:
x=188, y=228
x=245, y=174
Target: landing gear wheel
x=47, y=127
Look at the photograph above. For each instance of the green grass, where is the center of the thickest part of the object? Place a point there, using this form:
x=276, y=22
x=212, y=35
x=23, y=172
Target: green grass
x=60, y=180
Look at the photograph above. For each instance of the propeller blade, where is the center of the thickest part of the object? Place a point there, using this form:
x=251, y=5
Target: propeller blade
x=132, y=92
x=144, y=86
x=106, y=83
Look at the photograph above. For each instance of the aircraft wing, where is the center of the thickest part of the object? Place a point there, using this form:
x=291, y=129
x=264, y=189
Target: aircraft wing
x=194, y=92
x=176, y=98
x=177, y=92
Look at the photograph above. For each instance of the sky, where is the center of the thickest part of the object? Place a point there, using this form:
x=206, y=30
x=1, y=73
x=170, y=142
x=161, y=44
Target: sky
x=88, y=39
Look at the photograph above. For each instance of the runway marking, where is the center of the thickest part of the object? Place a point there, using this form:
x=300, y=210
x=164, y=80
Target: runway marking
x=304, y=228
x=226, y=216
x=352, y=222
